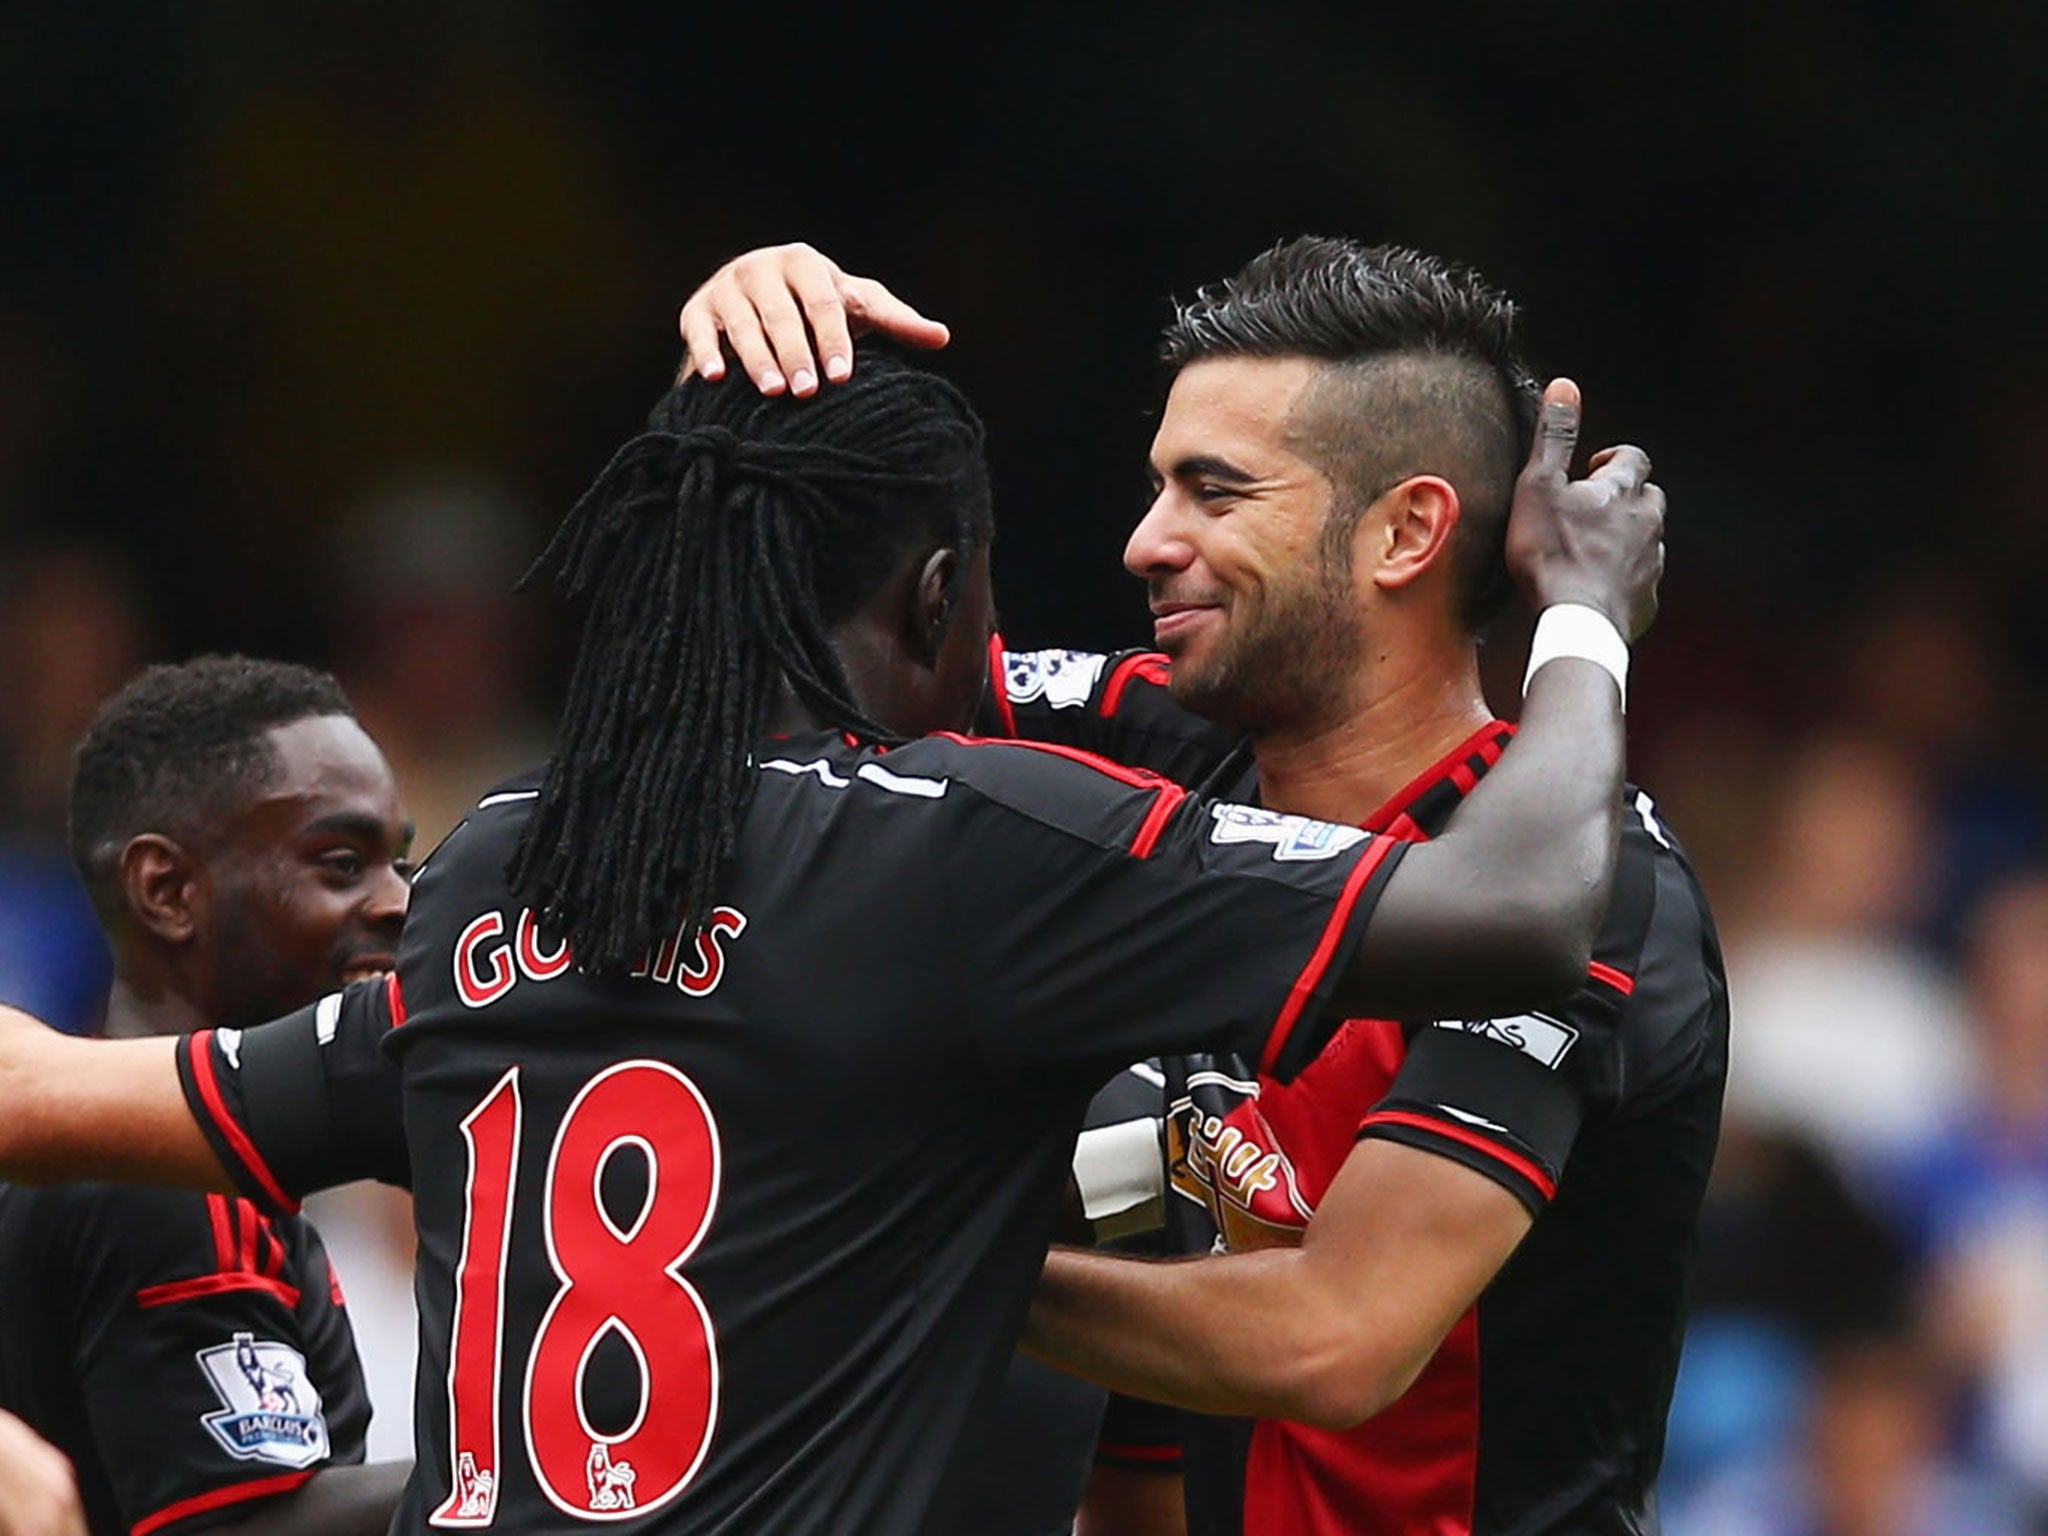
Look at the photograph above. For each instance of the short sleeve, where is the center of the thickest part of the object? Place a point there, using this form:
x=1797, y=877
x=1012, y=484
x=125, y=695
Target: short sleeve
x=1115, y=705
x=305, y=1102
x=1139, y=1435
x=189, y=1356
x=1508, y=1096
x=1104, y=915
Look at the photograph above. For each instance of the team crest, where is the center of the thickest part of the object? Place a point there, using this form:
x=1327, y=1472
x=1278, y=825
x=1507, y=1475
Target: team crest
x=272, y=1411
x=1294, y=838
x=1064, y=679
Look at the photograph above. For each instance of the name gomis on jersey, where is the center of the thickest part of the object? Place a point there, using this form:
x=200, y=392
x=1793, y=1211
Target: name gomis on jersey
x=492, y=957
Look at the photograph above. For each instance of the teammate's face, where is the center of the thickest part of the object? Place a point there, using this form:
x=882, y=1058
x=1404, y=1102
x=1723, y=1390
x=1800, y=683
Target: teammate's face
x=1261, y=624
x=306, y=885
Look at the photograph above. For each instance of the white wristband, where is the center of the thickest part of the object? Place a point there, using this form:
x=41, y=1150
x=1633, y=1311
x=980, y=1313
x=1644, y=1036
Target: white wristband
x=1573, y=629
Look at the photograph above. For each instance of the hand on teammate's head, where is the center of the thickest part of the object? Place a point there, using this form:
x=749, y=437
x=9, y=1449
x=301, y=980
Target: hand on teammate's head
x=1598, y=540
x=770, y=306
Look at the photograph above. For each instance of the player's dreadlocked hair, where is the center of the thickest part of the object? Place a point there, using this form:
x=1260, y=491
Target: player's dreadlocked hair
x=716, y=552
x=178, y=748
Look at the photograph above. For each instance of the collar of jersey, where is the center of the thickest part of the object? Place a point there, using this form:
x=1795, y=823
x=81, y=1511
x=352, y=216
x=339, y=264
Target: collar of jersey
x=1425, y=803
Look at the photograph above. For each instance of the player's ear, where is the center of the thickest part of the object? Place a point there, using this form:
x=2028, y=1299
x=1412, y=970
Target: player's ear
x=160, y=887
x=932, y=603
x=1409, y=530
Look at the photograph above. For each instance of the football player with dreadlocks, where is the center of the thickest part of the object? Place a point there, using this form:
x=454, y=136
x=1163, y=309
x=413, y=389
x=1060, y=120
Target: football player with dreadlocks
x=742, y=1046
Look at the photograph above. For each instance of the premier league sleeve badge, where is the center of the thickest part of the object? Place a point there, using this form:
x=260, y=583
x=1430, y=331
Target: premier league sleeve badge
x=271, y=1411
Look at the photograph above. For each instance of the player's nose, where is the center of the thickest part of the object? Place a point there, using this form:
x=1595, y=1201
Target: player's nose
x=1157, y=545
x=390, y=893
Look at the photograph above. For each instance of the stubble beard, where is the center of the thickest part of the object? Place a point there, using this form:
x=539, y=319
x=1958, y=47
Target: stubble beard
x=1282, y=671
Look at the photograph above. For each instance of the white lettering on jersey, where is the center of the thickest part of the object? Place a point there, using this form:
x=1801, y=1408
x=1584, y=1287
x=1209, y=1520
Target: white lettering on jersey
x=327, y=1018
x=872, y=773
x=818, y=767
x=1471, y=1119
x=1646, y=808
x=1294, y=838
x=1533, y=1034
x=902, y=783
x=1064, y=679
x=230, y=1043
x=270, y=1409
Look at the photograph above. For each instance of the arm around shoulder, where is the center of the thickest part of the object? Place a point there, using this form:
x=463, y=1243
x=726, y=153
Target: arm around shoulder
x=96, y=1109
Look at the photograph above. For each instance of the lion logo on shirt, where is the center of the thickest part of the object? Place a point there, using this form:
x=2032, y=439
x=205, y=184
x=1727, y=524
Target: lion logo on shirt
x=270, y=1410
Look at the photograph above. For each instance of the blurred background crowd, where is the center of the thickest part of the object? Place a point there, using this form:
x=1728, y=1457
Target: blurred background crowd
x=313, y=320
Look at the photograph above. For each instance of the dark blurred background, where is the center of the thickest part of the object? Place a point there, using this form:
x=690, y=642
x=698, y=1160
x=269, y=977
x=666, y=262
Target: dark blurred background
x=313, y=319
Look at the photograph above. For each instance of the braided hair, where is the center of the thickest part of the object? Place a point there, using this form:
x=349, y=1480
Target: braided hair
x=716, y=553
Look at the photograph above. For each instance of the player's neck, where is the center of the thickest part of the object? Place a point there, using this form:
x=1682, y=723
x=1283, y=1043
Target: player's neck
x=145, y=1004
x=1404, y=719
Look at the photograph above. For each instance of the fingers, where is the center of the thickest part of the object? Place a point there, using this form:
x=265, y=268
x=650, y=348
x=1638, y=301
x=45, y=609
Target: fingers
x=816, y=286
x=702, y=355
x=1557, y=430
x=788, y=339
x=1626, y=466
x=770, y=306
x=881, y=312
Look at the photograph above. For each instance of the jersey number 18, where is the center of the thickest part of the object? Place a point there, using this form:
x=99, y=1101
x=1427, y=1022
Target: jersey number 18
x=613, y=1279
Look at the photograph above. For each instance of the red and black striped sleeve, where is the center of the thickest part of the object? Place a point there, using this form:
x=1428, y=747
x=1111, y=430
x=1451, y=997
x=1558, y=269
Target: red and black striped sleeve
x=305, y=1102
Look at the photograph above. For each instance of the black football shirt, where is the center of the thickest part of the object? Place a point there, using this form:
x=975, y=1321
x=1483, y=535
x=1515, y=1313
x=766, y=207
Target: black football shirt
x=189, y=1353
x=739, y=1242
x=1543, y=1412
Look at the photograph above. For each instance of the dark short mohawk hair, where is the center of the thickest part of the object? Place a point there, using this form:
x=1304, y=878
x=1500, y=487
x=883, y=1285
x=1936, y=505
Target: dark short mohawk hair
x=1359, y=307
x=1315, y=296
x=715, y=554
x=179, y=745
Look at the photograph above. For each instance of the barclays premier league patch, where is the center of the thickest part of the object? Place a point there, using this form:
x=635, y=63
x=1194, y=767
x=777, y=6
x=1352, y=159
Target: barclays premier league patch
x=272, y=1411
x=1294, y=838
x=1064, y=679
x=1533, y=1034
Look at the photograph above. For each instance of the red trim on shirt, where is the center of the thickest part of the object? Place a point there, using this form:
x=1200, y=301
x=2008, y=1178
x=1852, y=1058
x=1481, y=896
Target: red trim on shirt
x=395, y=999
x=223, y=1232
x=1621, y=981
x=1122, y=1452
x=273, y=1263
x=1311, y=975
x=219, y=1498
x=245, y=1253
x=1153, y=666
x=216, y=1285
x=999, y=684
x=1480, y=741
x=237, y=1138
x=1137, y=778
x=1545, y=1184
x=1163, y=806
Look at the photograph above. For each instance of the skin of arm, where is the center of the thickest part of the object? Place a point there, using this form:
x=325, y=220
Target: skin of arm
x=38, y=1493
x=336, y=1501
x=1500, y=913
x=1328, y=1333
x=1127, y=1501
x=97, y=1109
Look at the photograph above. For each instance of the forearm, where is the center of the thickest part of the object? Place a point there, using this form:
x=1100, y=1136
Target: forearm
x=337, y=1501
x=1501, y=911
x=96, y=1109
x=1247, y=1334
